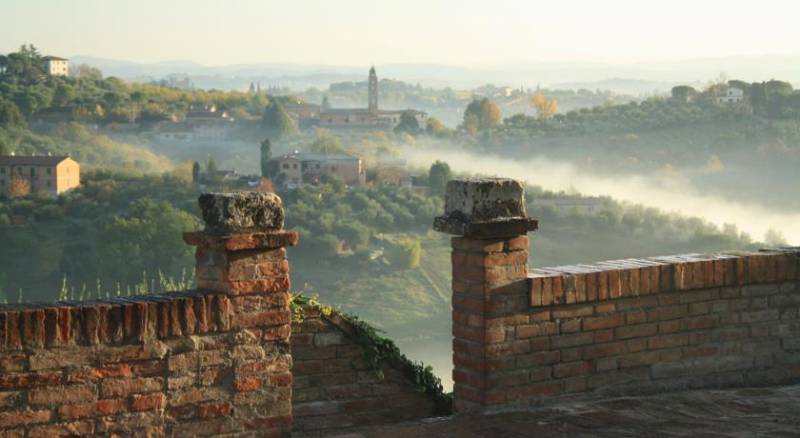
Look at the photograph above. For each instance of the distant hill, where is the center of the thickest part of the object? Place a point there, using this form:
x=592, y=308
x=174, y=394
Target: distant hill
x=644, y=77
x=619, y=85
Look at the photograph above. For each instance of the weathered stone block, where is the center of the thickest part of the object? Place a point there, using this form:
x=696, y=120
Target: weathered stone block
x=226, y=213
x=485, y=207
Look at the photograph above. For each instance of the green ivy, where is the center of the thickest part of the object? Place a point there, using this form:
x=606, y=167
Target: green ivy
x=379, y=350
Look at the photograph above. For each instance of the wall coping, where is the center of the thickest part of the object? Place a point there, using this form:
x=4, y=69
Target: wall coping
x=243, y=241
x=115, y=321
x=614, y=279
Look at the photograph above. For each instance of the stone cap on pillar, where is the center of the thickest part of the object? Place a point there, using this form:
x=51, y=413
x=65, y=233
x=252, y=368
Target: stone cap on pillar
x=485, y=208
x=228, y=213
x=241, y=221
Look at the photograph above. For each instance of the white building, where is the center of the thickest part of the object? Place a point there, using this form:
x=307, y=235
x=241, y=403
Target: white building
x=56, y=66
x=731, y=95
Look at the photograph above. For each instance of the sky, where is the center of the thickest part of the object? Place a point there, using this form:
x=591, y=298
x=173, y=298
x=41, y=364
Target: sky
x=356, y=32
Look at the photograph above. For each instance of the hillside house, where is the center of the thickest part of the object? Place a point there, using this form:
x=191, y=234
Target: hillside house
x=731, y=95
x=305, y=168
x=55, y=66
x=208, y=123
x=48, y=175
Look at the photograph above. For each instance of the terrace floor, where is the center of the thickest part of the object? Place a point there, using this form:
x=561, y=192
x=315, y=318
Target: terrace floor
x=747, y=412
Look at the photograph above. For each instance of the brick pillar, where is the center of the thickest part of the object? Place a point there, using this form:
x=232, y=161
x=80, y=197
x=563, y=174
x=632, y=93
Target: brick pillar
x=489, y=280
x=242, y=253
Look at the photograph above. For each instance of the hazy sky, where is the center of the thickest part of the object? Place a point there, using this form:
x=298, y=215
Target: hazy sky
x=357, y=32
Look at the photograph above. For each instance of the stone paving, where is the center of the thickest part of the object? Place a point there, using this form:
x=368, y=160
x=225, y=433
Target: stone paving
x=748, y=412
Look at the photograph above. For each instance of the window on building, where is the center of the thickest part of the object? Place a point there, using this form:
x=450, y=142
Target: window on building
x=294, y=166
x=33, y=171
x=317, y=165
x=49, y=184
x=49, y=171
x=2, y=170
x=285, y=166
x=333, y=169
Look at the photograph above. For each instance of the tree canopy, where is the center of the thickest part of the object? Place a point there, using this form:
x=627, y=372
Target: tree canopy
x=438, y=176
x=484, y=112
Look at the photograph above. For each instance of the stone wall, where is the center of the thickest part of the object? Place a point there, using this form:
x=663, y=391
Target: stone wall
x=336, y=385
x=621, y=327
x=207, y=362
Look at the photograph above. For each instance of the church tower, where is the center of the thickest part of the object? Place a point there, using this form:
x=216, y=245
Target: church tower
x=373, y=91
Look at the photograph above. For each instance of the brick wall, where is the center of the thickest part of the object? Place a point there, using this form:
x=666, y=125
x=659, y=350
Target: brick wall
x=335, y=386
x=208, y=362
x=628, y=326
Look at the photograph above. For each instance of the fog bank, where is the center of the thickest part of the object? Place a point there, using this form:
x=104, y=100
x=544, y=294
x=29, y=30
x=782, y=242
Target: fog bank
x=669, y=194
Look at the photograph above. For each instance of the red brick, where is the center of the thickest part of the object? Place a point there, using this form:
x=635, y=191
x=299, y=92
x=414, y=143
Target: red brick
x=665, y=274
x=282, y=379
x=111, y=388
x=61, y=395
x=667, y=341
x=247, y=385
x=23, y=418
x=537, y=286
x=603, y=322
x=601, y=336
x=28, y=380
x=572, y=311
x=536, y=390
x=602, y=285
x=545, y=328
x=265, y=318
x=147, y=402
x=74, y=428
x=636, y=331
x=638, y=359
x=614, y=285
x=571, y=369
x=603, y=350
x=212, y=410
x=96, y=409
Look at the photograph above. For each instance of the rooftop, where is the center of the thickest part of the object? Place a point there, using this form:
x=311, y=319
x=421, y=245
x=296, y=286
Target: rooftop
x=302, y=156
x=38, y=160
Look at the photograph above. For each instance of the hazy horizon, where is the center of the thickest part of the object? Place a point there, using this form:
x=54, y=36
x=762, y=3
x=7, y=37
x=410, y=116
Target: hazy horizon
x=360, y=32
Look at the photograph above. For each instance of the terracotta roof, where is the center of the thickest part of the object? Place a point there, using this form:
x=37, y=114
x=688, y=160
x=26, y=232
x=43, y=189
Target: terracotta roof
x=39, y=160
x=54, y=58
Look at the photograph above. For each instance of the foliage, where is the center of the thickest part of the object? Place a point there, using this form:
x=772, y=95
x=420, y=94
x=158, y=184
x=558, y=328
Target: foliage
x=408, y=123
x=545, y=108
x=147, y=238
x=484, y=112
x=683, y=93
x=325, y=142
x=276, y=121
x=19, y=186
x=380, y=351
x=406, y=254
x=10, y=115
x=438, y=175
x=269, y=168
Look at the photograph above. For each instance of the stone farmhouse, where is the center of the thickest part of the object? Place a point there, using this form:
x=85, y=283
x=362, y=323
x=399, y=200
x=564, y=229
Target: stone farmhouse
x=47, y=175
x=536, y=351
x=306, y=168
x=731, y=95
x=55, y=66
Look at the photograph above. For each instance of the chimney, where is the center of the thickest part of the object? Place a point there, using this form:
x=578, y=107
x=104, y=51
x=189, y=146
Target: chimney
x=242, y=253
x=490, y=255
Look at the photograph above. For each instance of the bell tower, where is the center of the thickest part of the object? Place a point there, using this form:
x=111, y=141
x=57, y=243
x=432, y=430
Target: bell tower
x=373, y=91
